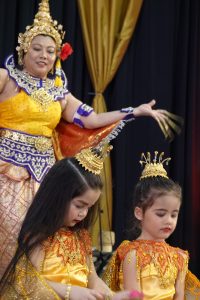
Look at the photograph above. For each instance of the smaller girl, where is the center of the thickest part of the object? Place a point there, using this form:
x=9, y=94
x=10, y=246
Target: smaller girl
x=148, y=263
x=54, y=255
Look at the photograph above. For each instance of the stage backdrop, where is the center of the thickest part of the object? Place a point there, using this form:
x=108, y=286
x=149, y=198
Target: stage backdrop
x=161, y=62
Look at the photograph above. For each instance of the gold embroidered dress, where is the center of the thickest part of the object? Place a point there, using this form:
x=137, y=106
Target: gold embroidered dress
x=157, y=266
x=67, y=257
x=67, y=260
x=26, y=151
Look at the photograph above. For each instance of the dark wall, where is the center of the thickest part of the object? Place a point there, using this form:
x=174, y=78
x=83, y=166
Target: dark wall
x=162, y=62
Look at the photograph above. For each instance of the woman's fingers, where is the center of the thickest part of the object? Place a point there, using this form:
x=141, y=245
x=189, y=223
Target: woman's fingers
x=162, y=127
x=158, y=116
x=152, y=102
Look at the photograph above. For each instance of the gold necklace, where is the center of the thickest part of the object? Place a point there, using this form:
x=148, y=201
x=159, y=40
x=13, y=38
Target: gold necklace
x=42, y=98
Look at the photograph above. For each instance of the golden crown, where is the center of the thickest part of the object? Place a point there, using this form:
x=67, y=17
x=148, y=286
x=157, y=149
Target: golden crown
x=43, y=24
x=92, y=159
x=155, y=167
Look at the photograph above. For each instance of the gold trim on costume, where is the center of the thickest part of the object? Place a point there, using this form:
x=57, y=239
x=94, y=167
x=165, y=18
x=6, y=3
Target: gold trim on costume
x=31, y=85
x=41, y=143
x=92, y=159
x=43, y=98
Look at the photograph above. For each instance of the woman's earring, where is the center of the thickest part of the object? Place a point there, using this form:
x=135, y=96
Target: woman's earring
x=58, y=79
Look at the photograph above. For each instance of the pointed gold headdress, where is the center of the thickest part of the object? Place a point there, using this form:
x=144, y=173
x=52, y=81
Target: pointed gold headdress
x=43, y=24
x=92, y=159
x=155, y=167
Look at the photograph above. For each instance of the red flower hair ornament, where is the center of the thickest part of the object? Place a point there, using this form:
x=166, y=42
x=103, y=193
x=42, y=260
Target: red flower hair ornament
x=66, y=50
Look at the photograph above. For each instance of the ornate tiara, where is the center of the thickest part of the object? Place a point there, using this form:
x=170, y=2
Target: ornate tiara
x=92, y=159
x=43, y=24
x=155, y=167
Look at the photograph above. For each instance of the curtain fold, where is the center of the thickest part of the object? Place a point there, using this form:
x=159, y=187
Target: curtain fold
x=107, y=27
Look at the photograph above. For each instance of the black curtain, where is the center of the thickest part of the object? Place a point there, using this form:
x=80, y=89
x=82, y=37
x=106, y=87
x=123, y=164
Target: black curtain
x=162, y=62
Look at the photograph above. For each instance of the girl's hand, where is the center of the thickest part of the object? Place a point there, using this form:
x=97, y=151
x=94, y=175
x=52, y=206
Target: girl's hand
x=80, y=293
x=127, y=295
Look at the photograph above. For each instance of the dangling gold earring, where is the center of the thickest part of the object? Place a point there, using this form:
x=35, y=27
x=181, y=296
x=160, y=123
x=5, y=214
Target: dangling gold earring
x=51, y=71
x=20, y=57
x=58, y=80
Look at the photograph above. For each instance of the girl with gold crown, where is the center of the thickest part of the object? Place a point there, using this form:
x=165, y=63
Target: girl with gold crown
x=54, y=255
x=34, y=104
x=148, y=263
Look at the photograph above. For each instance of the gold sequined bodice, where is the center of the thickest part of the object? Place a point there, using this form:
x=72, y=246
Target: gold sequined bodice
x=66, y=258
x=158, y=265
x=22, y=113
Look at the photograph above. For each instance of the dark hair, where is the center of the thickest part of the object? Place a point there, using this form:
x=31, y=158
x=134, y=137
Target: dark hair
x=66, y=180
x=145, y=193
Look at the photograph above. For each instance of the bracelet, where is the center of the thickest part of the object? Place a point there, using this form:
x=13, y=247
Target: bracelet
x=66, y=297
x=83, y=110
x=109, y=296
x=129, y=111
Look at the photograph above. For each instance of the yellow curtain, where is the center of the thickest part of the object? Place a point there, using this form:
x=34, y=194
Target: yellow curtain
x=107, y=27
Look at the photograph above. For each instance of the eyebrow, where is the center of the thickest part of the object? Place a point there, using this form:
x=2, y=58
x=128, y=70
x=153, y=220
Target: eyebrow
x=41, y=45
x=165, y=210
x=83, y=202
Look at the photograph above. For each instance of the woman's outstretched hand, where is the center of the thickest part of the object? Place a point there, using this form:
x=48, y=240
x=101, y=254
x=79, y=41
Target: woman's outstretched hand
x=168, y=122
x=146, y=109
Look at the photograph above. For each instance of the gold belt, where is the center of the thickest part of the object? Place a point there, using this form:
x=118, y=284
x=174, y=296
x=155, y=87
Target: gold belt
x=41, y=143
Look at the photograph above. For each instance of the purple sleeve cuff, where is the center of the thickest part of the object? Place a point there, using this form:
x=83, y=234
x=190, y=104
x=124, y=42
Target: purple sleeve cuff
x=129, y=111
x=84, y=110
x=78, y=122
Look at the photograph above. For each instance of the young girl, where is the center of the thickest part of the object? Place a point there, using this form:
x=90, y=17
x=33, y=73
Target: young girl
x=54, y=257
x=148, y=263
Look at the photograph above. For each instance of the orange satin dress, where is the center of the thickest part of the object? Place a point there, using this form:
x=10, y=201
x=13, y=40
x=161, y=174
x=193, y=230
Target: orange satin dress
x=158, y=265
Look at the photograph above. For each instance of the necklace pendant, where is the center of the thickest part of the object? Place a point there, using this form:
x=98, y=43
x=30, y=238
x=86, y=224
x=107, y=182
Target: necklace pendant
x=42, y=98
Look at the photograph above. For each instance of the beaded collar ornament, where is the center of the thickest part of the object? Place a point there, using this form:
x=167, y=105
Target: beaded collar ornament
x=155, y=167
x=43, y=24
x=92, y=159
x=44, y=92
